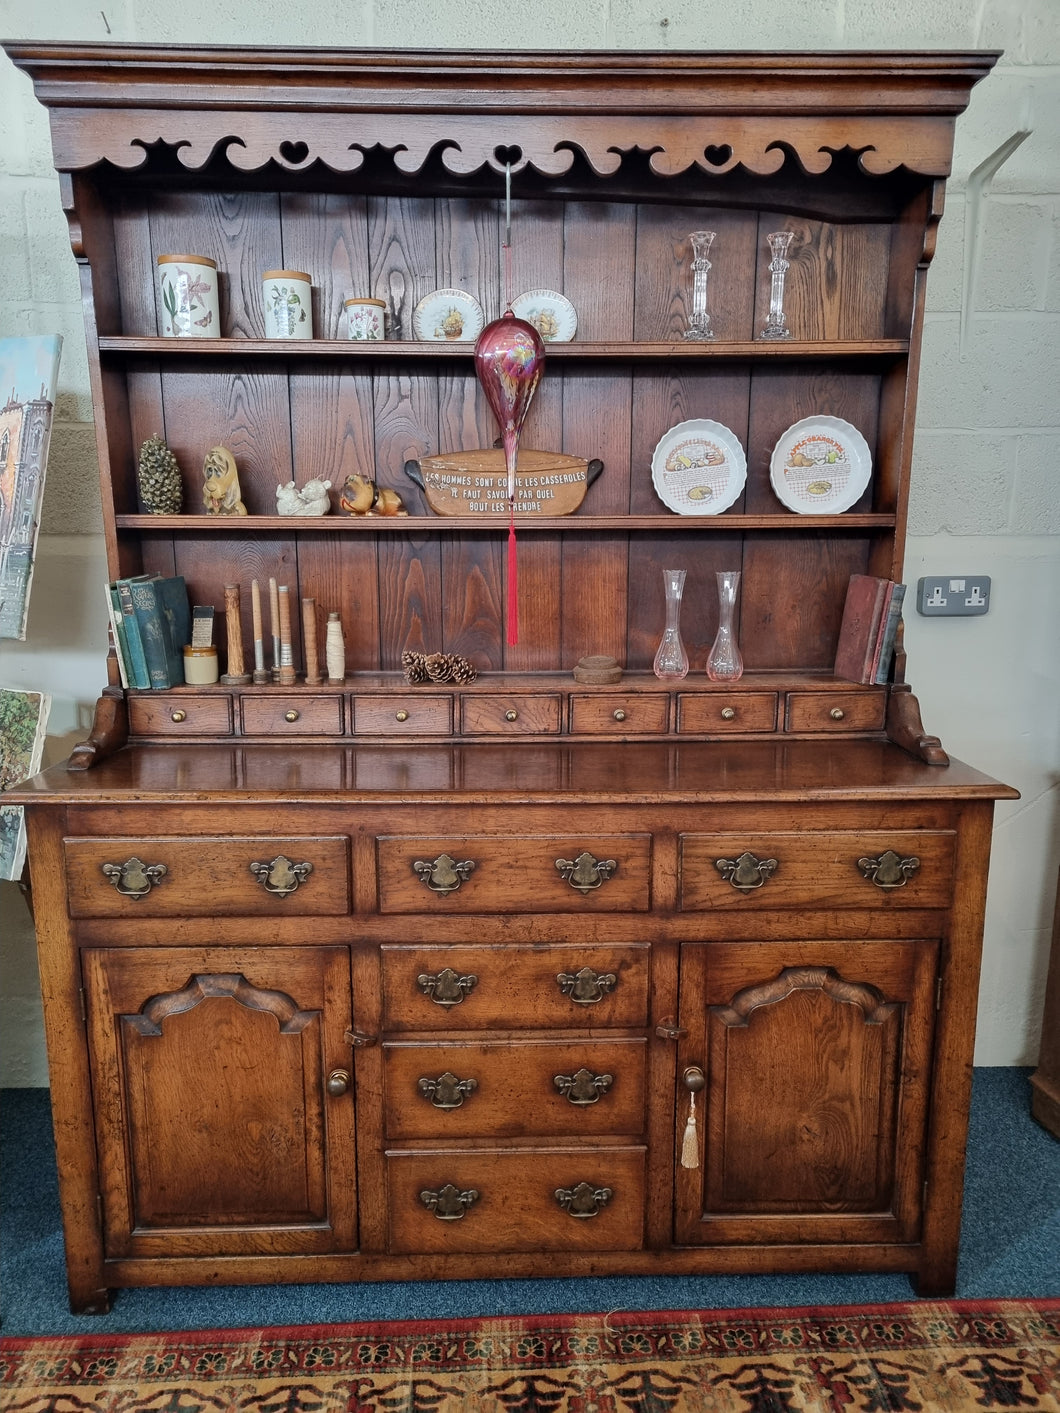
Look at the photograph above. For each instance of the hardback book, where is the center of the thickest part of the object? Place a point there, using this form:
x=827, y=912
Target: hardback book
x=863, y=615
x=117, y=632
x=162, y=616
x=889, y=633
x=136, y=661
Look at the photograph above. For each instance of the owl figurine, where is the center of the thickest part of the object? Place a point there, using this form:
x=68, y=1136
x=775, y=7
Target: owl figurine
x=220, y=490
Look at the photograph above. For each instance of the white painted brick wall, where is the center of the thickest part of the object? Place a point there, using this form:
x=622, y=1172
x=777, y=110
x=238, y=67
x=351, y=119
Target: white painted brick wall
x=987, y=487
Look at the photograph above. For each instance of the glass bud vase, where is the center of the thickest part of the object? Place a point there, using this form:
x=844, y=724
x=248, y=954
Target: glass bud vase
x=671, y=660
x=724, y=661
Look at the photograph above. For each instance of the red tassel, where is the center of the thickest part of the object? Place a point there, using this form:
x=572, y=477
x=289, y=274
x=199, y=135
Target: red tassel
x=513, y=579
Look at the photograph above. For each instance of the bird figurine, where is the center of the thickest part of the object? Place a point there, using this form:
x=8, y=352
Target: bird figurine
x=362, y=496
x=312, y=499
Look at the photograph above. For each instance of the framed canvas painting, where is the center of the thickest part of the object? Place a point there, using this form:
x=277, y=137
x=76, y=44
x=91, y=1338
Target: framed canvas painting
x=29, y=368
x=23, y=719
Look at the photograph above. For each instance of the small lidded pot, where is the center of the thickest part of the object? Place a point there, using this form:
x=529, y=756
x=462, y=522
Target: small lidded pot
x=365, y=317
x=187, y=285
x=287, y=296
x=200, y=664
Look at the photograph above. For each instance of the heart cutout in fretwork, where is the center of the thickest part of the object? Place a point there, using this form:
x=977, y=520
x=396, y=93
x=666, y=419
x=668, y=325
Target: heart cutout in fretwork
x=294, y=152
x=718, y=156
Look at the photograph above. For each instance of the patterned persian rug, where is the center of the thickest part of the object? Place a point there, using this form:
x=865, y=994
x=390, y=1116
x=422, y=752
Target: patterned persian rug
x=929, y=1356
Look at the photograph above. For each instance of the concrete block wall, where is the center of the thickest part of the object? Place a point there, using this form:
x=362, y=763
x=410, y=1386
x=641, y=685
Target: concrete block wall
x=986, y=494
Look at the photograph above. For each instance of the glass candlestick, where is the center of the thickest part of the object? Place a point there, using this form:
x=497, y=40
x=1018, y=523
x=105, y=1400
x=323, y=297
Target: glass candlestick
x=671, y=660
x=724, y=661
x=776, y=326
x=699, y=329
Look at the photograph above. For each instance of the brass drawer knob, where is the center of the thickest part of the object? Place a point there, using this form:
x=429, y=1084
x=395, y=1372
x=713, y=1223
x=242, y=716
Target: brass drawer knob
x=837, y=713
x=619, y=714
x=586, y=987
x=291, y=715
x=449, y=1204
x=134, y=878
x=280, y=876
x=178, y=716
x=338, y=1082
x=583, y=1200
x=401, y=715
x=443, y=875
x=747, y=872
x=890, y=870
x=586, y=872
x=511, y=714
x=446, y=1092
x=728, y=713
x=446, y=987
x=583, y=1087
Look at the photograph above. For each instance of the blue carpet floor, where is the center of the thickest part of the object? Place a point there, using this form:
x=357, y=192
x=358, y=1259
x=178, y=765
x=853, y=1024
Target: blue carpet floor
x=1010, y=1247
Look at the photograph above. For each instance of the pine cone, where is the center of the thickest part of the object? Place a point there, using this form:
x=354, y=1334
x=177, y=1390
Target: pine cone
x=158, y=478
x=415, y=671
x=464, y=671
x=439, y=667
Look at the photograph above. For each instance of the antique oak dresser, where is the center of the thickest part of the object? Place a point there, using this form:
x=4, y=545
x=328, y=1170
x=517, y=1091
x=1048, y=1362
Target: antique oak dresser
x=361, y=979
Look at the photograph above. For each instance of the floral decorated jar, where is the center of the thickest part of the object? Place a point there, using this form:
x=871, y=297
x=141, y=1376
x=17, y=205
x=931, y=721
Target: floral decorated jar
x=288, y=299
x=365, y=318
x=187, y=287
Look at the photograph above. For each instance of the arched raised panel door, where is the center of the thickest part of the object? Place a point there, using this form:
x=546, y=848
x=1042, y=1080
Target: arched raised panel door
x=210, y=1073
x=811, y=1123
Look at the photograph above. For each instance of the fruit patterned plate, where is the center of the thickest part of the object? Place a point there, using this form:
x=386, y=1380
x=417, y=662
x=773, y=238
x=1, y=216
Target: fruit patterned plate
x=698, y=468
x=820, y=466
x=447, y=316
x=552, y=315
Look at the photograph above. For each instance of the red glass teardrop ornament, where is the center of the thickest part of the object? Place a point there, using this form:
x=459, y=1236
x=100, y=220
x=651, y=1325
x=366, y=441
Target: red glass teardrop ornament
x=509, y=361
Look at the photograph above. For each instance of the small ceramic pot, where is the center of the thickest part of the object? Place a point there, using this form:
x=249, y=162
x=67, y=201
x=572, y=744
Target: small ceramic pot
x=365, y=318
x=200, y=665
x=187, y=286
x=287, y=296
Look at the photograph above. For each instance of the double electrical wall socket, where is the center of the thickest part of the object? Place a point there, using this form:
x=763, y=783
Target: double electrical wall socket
x=940, y=596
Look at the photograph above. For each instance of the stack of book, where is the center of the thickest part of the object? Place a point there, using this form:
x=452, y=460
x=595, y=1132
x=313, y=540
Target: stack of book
x=871, y=615
x=150, y=623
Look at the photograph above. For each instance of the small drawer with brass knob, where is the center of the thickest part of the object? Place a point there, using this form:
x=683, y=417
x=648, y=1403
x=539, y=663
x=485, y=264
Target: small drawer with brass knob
x=166, y=714
x=837, y=711
x=289, y=715
x=482, y=715
x=628, y=714
x=713, y=713
x=402, y=715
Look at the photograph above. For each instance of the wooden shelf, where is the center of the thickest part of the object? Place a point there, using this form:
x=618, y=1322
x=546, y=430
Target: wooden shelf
x=374, y=525
x=664, y=351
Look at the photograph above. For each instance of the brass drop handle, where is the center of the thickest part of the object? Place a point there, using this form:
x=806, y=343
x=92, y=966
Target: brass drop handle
x=586, y=872
x=889, y=870
x=134, y=878
x=583, y=1087
x=511, y=715
x=444, y=874
x=280, y=876
x=446, y=987
x=837, y=713
x=178, y=716
x=694, y=1079
x=584, y=1200
x=291, y=715
x=586, y=986
x=338, y=1082
x=728, y=713
x=746, y=873
x=449, y=1203
x=446, y=1091
x=619, y=714
x=401, y=715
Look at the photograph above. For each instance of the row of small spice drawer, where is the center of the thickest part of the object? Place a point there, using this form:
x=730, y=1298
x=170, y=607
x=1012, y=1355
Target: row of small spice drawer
x=165, y=877
x=598, y=714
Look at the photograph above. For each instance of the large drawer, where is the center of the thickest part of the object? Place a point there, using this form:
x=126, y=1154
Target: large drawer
x=514, y=986
x=829, y=869
x=512, y=1089
x=516, y=1200
x=542, y=873
x=161, y=877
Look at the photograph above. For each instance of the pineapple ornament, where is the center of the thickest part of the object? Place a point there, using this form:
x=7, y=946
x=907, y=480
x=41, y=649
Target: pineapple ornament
x=158, y=478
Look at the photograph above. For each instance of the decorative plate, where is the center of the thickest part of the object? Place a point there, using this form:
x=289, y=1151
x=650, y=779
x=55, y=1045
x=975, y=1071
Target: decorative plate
x=552, y=315
x=820, y=466
x=698, y=468
x=447, y=316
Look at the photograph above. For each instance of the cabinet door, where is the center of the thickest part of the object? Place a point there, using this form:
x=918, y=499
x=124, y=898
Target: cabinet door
x=811, y=1124
x=217, y=1132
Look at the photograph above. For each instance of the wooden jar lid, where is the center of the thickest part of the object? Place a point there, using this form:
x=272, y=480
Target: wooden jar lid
x=597, y=671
